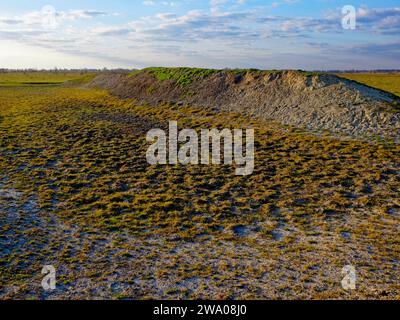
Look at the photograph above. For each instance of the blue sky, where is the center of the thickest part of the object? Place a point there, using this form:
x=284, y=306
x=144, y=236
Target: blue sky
x=279, y=34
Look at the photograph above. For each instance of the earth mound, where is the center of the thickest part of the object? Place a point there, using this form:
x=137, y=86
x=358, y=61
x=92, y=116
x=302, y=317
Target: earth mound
x=309, y=100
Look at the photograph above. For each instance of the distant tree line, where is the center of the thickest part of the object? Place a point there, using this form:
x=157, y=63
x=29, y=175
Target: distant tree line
x=63, y=70
x=122, y=70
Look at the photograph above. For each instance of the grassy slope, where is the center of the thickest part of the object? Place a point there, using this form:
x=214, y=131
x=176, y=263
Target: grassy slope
x=385, y=81
x=184, y=76
x=76, y=156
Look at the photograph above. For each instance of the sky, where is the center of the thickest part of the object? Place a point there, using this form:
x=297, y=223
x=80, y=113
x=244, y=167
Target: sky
x=278, y=34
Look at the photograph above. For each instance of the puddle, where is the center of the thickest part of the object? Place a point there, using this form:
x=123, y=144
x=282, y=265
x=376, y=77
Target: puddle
x=393, y=211
x=240, y=231
x=244, y=231
x=346, y=235
x=10, y=194
x=276, y=235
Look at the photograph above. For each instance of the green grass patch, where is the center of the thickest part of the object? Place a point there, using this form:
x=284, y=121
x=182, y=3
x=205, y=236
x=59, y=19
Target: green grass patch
x=182, y=76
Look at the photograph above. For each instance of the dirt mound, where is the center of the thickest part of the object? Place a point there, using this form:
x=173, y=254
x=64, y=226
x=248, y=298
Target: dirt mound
x=314, y=101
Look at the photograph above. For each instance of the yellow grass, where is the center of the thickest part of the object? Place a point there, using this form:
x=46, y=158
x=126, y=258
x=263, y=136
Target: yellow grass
x=39, y=78
x=385, y=81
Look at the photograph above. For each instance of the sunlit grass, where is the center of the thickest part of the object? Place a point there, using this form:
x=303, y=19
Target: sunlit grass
x=39, y=78
x=385, y=81
x=80, y=153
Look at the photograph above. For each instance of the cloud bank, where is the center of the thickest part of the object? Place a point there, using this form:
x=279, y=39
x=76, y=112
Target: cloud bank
x=223, y=35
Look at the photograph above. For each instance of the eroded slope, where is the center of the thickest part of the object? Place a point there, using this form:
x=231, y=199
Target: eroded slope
x=314, y=101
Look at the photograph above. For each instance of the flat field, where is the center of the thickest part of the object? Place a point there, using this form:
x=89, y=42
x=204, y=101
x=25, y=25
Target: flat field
x=14, y=79
x=385, y=81
x=76, y=192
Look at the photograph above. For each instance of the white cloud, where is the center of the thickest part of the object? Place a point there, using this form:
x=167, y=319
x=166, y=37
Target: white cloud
x=149, y=3
x=209, y=38
x=112, y=31
x=35, y=18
